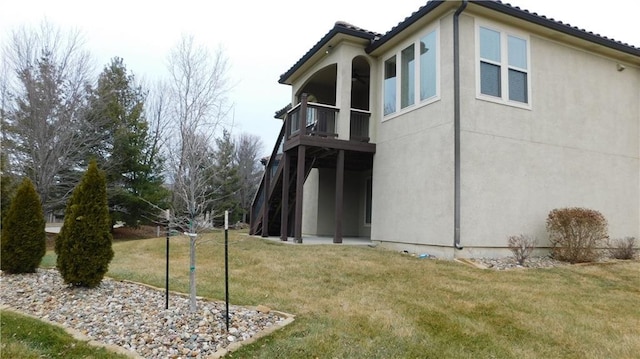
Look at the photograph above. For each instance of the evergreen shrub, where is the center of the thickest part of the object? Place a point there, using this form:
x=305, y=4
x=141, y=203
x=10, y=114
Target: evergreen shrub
x=24, y=241
x=84, y=243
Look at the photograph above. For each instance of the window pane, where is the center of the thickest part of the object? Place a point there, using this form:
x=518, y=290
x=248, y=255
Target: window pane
x=490, y=79
x=489, y=44
x=518, y=86
x=517, y=52
x=408, y=84
x=428, y=66
x=390, y=86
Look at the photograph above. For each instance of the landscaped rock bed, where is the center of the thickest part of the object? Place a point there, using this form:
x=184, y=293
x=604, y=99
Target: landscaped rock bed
x=511, y=263
x=133, y=317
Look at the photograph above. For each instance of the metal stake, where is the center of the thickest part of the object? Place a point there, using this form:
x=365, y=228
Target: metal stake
x=226, y=266
x=166, y=300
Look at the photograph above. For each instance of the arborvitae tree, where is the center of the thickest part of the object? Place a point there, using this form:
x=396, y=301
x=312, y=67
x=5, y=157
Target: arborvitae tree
x=84, y=243
x=7, y=186
x=23, y=235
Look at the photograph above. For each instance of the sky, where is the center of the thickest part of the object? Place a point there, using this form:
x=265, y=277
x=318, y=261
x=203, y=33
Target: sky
x=261, y=39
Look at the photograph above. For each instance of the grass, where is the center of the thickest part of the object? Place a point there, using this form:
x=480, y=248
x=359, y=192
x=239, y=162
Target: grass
x=25, y=337
x=361, y=302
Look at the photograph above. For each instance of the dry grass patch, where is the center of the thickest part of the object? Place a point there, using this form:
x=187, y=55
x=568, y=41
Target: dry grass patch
x=361, y=302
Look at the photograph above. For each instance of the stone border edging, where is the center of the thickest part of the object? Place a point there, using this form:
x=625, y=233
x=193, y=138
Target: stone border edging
x=76, y=334
x=289, y=318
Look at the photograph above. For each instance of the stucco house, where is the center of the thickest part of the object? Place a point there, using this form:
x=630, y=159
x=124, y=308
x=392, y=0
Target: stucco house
x=466, y=123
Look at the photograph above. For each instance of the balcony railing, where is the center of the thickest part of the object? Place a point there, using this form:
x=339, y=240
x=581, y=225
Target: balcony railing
x=359, y=127
x=319, y=119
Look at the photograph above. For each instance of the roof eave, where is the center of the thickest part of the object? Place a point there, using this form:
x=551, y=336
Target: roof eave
x=558, y=26
x=424, y=10
x=515, y=12
x=338, y=29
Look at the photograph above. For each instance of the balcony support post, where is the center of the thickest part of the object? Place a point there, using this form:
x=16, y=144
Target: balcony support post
x=303, y=114
x=265, y=206
x=299, y=192
x=337, y=238
x=284, y=219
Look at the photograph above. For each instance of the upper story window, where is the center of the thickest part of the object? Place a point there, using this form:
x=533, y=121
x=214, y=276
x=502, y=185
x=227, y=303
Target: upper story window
x=408, y=71
x=390, y=85
x=418, y=73
x=503, y=66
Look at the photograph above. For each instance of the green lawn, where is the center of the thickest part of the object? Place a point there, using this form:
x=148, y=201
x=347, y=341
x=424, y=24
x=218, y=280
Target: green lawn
x=361, y=302
x=26, y=338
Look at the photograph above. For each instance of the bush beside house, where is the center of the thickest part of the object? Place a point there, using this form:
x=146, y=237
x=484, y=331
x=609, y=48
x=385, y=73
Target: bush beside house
x=576, y=234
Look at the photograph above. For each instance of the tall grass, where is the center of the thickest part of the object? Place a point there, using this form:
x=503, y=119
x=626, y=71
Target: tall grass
x=361, y=302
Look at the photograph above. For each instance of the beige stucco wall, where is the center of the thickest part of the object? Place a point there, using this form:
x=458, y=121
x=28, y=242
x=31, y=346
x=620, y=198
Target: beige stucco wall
x=413, y=172
x=310, y=203
x=578, y=145
x=319, y=204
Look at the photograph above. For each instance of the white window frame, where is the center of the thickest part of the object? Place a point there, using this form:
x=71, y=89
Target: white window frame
x=505, y=32
x=397, y=52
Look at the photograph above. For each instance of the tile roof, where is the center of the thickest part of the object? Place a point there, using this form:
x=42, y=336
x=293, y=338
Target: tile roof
x=378, y=40
x=516, y=11
x=281, y=112
x=340, y=27
x=559, y=25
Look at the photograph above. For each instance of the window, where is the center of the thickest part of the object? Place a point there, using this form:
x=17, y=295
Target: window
x=408, y=77
x=517, y=69
x=390, y=86
x=490, y=62
x=503, y=66
x=417, y=70
x=367, y=201
x=428, y=66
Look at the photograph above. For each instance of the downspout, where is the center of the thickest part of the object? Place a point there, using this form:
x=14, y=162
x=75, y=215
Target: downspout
x=456, y=124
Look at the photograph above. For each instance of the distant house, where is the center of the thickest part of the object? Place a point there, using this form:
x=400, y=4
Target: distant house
x=464, y=124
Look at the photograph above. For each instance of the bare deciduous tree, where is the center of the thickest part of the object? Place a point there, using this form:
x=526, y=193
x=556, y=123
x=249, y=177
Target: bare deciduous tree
x=47, y=96
x=198, y=107
x=156, y=114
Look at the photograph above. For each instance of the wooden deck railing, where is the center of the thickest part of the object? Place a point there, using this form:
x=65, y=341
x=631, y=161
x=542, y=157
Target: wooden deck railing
x=359, y=127
x=319, y=120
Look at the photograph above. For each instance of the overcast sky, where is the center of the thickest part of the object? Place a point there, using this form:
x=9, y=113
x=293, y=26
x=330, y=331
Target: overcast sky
x=262, y=39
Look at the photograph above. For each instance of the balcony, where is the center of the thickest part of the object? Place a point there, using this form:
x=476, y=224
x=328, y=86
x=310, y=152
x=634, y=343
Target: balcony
x=320, y=121
x=310, y=138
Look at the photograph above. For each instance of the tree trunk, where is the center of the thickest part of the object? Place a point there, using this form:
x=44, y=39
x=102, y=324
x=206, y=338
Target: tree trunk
x=192, y=272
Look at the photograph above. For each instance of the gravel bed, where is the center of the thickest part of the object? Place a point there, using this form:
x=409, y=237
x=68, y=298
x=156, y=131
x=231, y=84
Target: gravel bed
x=133, y=317
x=510, y=263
